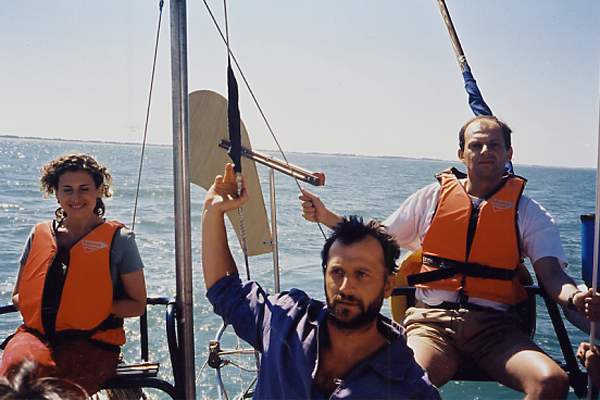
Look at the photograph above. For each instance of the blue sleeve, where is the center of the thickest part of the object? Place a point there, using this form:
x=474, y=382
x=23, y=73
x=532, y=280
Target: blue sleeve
x=424, y=389
x=417, y=379
x=245, y=306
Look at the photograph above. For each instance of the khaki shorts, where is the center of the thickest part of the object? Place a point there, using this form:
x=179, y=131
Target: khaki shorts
x=480, y=337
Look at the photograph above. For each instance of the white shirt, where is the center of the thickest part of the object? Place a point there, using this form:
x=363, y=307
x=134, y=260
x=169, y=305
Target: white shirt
x=538, y=236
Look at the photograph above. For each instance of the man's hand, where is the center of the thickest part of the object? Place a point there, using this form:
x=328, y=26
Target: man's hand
x=563, y=289
x=588, y=304
x=587, y=353
x=590, y=359
x=314, y=210
x=222, y=196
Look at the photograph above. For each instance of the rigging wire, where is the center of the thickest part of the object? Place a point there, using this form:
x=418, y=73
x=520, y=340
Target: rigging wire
x=137, y=190
x=254, y=98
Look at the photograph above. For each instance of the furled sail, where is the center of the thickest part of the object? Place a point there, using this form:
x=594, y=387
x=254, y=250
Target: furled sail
x=208, y=126
x=476, y=101
x=233, y=120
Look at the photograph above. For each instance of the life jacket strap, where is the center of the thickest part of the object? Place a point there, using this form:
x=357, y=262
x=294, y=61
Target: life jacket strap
x=112, y=322
x=447, y=268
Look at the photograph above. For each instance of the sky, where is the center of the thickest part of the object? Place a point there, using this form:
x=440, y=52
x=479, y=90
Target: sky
x=344, y=76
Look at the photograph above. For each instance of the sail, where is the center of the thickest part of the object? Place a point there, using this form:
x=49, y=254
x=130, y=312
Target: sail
x=234, y=121
x=208, y=126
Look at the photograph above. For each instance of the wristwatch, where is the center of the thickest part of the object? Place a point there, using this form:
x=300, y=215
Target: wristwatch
x=570, y=301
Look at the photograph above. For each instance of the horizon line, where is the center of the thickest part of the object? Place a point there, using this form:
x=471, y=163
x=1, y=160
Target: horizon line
x=113, y=142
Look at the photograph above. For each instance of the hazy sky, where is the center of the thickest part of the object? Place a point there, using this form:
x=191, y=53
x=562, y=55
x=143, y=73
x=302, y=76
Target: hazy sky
x=366, y=77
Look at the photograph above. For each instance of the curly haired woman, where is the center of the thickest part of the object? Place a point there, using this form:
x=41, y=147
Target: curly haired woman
x=80, y=275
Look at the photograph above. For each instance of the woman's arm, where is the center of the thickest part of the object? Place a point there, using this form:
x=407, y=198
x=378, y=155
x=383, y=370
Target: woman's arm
x=134, y=304
x=15, y=293
x=23, y=259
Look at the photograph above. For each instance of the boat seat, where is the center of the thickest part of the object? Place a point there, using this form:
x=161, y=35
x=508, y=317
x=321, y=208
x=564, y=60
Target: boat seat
x=467, y=372
x=144, y=373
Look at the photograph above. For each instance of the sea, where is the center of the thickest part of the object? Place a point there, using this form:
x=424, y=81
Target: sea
x=366, y=186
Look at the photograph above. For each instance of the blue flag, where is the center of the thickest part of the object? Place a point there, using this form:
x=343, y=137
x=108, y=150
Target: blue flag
x=476, y=102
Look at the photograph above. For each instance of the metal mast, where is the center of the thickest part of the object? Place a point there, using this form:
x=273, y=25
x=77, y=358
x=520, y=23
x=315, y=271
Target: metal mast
x=183, y=247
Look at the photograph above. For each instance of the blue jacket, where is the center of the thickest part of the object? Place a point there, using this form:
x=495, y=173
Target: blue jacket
x=288, y=329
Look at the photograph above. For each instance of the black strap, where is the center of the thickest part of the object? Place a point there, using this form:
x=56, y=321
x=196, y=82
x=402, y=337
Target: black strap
x=448, y=268
x=448, y=305
x=53, y=287
x=6, y=340
x=69, y=335
x=454, y=171
x=111, y=322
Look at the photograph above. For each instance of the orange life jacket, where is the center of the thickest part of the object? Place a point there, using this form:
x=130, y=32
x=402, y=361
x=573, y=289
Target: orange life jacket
x=474, y=250
x=78, y=301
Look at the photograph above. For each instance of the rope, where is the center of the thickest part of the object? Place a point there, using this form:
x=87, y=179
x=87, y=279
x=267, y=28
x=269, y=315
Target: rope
x=230, y=362
x=254, y=98
x=238, y=179
x=226, y=26
x=137, y=190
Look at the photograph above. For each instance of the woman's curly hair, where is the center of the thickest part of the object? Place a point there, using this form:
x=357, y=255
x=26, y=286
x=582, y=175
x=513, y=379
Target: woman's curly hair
x=51, y=172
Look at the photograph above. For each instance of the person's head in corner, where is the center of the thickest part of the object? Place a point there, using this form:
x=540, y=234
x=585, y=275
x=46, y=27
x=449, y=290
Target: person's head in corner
x=23, y=384
x=358, y=259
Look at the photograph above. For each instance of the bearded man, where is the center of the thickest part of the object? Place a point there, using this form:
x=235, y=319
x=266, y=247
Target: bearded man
x=341, y=349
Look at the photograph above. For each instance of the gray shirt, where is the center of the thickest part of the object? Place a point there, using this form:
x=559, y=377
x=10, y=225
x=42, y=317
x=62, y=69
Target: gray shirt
x=124, y=258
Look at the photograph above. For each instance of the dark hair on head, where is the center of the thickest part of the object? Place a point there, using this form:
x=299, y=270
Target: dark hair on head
x=506, y=131
x=51, y=172
x=352, y=229
x=23, y=384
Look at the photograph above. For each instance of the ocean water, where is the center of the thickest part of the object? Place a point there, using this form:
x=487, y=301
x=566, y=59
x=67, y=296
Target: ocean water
x=368, y=186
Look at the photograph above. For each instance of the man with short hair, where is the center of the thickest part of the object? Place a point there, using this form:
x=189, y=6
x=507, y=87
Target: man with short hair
x=474, y=230
x=343, y=349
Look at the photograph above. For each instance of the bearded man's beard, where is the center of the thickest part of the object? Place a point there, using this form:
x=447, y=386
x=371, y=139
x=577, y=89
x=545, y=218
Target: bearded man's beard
x=365, y=317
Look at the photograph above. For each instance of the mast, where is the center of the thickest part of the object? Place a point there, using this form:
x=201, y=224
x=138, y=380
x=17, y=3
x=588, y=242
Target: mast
x=183, y=247
x=593, y=325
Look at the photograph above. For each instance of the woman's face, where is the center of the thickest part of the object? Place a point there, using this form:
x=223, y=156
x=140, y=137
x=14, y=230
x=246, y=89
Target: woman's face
x=77, y=194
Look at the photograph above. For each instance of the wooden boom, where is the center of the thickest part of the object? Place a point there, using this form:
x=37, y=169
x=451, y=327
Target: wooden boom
x=294, y=171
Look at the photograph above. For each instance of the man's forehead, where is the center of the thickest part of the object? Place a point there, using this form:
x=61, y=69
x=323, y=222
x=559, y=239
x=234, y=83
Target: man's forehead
x=367, y=249
x=483, y=124
x=484, y=127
